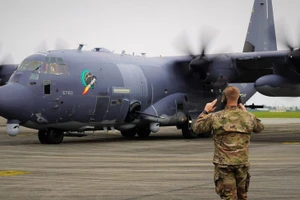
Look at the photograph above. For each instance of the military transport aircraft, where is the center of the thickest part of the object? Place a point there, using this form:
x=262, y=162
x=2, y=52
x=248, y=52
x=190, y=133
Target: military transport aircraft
x=68, y=92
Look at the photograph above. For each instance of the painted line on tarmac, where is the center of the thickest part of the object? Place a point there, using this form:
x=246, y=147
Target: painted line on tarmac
x=13, y=173
x=297, y=143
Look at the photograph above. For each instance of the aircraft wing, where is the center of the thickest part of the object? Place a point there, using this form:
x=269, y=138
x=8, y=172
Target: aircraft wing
x=245, y=67
x=252, y=66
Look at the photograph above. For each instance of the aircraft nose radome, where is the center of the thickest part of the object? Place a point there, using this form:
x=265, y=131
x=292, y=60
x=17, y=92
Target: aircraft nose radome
x=15, y=102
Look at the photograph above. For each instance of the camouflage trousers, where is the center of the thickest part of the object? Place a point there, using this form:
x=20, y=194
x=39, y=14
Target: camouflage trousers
x=232, y=181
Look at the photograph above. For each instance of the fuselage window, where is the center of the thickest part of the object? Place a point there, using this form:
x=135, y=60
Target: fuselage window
x=47, y=87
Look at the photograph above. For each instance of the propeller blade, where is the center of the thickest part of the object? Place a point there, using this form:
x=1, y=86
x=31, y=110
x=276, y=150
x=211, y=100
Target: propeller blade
x=182, y=44
x=8, y=59
x=58, y=44
x=61, y=44
x=284, y=37
x=206, y=37
x=42, y=47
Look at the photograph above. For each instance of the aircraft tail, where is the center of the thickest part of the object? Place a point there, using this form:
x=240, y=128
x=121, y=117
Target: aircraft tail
x=261, y=31
x=260, y=37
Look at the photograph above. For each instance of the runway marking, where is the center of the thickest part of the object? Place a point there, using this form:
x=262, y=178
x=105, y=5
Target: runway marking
x=25, y=134
x=13, y=173
x=291, y=143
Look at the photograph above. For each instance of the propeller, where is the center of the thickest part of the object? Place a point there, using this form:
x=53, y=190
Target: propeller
x=182, y=44
x=58, y=45
x=291, y=44
x=7, y=59
x=206, y=36
x=285, y=38
x=198, y=62
x=6, y=67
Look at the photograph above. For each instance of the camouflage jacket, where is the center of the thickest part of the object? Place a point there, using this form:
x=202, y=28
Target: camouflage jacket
x=231, y=128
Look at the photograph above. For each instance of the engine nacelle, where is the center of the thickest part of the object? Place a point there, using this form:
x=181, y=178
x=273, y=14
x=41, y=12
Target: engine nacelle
x=5, y=72
x=214, y=70
x=275, y=85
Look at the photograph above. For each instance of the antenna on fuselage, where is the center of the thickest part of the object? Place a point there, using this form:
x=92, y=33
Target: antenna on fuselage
x=80, y=46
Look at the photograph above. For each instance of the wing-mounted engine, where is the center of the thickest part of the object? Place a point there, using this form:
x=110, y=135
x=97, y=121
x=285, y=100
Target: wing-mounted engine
x=285, y=80
x=211, y=69
x=6, y=71
x=214, y=69
x=289, y=68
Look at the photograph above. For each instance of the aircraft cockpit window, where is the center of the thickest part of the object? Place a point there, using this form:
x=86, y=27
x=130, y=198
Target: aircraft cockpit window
x=60, y=61
x=56, y=66
x=24, y=65
x=51, y=65
x=35, y=65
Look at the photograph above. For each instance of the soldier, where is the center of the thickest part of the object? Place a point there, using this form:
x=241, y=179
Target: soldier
x=231, y=128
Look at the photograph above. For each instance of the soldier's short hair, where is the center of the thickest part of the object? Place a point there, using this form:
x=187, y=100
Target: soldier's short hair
x=232, y=93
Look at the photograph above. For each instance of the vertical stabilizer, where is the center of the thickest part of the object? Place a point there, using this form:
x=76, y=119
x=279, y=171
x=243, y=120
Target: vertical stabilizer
x=260, y=37
x=261, y=31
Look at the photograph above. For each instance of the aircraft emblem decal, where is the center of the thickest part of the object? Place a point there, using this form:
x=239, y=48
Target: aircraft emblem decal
x=88, y=80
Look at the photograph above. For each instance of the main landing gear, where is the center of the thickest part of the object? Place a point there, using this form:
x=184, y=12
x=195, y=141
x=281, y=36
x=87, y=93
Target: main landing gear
x=141, y=132
x=51, y=136
x=187, y=130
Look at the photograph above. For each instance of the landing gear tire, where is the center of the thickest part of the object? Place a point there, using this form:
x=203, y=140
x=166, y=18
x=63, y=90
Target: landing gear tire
x=51, y=136
x=187, y=130
x=42, y=135
x=55, y=136
x=143, y=132
x=129, y=133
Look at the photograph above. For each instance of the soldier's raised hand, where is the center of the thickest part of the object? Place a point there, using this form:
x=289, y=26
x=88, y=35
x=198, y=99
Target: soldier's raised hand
x=242, y=107
x=210, y=107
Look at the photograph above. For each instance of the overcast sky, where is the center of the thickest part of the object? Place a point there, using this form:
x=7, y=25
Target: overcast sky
x=137, y=26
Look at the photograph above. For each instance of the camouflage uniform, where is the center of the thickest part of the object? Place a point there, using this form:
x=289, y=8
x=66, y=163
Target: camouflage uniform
x=231, y=128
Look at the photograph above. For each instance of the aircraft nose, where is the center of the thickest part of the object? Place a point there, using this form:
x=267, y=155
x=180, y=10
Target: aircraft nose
x=16, y=102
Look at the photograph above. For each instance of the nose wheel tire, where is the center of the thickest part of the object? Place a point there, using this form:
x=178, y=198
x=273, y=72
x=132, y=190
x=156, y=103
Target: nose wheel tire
x=51, y=136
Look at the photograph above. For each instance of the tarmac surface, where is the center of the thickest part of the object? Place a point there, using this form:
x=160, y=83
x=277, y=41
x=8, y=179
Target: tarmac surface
x=163, y=166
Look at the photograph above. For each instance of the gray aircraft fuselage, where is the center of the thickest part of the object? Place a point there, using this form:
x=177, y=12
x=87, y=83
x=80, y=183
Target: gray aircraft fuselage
x=43, y=99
